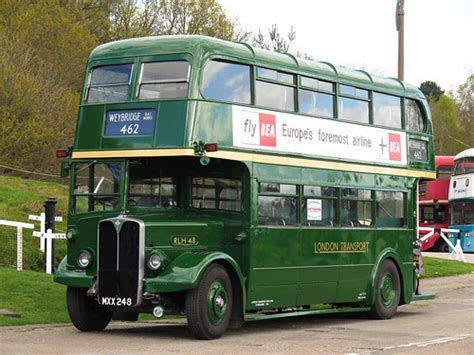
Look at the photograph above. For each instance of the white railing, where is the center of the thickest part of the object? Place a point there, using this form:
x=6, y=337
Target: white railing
x=46, y=238
x=19, y=238
x=456, y=249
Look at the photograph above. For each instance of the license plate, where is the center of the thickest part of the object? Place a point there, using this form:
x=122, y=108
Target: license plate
x=129, y=123
x=116, y=301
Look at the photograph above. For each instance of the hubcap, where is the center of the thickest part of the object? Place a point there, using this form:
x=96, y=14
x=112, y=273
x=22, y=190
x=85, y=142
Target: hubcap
x=387, y=290
x=216, y=302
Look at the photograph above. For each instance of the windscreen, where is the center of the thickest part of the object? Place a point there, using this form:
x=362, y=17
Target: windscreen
x=96, y=186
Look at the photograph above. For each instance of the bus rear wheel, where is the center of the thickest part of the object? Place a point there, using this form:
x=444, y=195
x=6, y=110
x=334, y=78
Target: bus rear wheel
x=85, y=313
x=387, y=291
x=209, y=305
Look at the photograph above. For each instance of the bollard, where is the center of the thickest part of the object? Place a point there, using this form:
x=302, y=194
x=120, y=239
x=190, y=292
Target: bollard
x=50, y=223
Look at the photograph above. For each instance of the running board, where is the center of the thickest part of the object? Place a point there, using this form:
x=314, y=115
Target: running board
x=254, y=317
x=423, y=297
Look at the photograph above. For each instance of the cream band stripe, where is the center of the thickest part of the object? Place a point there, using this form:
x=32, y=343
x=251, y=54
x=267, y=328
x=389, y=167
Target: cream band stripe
x=256, y=158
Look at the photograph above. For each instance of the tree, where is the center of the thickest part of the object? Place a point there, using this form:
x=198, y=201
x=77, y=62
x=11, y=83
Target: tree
x=445, y=125
x=431, y=90
x=465, y=100
x=134, y=18
x=274, y=41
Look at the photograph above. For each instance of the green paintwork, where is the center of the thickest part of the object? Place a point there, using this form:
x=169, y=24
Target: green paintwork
x=387, y=290
x=275, y=266
x=185, y=271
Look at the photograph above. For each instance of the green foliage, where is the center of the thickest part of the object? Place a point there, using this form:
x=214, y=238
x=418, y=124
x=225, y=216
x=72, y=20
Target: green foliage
x=435, y=267
x=465, y=99
x=431, y=90
x=34, y=296
x=133, y=18
x=446, y=127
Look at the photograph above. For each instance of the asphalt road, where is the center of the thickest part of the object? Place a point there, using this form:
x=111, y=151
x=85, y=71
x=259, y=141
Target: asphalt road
x=441, y=326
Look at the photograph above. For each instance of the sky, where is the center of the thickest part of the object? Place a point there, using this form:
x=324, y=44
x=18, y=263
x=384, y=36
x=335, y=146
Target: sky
x=361, y=34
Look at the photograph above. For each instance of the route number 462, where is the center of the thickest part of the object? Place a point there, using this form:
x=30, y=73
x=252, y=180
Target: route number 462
x=130, y=128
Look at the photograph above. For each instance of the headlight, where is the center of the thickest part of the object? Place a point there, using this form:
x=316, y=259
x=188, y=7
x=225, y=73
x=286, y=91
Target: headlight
x=154, y=262
x=84, y=259
x=71, y=234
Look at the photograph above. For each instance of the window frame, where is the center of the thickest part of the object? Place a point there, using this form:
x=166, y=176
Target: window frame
x=294, y=86
x=227, y=61
x=140, y=81
x=89, y=80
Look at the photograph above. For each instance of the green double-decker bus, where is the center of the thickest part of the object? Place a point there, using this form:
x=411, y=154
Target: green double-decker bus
x=229, y=183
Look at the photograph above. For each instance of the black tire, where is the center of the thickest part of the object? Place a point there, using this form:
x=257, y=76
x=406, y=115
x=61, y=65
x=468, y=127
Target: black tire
x=209, y=305
x=85, y=313
x=387, y=291
x=441, y=246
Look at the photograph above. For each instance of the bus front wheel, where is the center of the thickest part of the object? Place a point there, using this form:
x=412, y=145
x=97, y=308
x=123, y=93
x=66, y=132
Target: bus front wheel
x=209, y=305
x=85, y=313
x=387, y=291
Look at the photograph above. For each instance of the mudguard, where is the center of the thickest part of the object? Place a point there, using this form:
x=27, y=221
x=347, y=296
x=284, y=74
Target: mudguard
x=71, y=277
x=406, y=271
x=185, y=272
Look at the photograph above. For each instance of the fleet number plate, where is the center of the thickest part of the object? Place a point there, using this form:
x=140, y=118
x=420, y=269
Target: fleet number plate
x=116, y=301
x=130, y=123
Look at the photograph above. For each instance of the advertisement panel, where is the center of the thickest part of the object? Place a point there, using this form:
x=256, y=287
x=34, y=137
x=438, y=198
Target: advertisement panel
x=329, y=138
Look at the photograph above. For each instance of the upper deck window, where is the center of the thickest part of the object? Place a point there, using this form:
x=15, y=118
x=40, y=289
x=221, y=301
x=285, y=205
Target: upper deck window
x=387, y=110
x=413, y=117
x=226, y=82
x=109, y=83
x=464, y=166
x=354, y=107
x=275, y=89
x=314, y=102
x=164, y=80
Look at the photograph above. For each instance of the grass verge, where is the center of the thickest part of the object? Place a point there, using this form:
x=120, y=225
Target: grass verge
x=435, y=267
x=34, y=296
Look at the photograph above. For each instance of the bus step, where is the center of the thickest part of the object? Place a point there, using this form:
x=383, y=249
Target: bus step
x=423, y=297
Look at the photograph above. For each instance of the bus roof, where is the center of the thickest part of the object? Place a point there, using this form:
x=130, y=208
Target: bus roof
x=204, y=48
x=465, y=154
x=444, y=160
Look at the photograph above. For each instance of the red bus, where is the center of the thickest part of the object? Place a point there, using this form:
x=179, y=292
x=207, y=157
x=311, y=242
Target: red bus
x=434, y=206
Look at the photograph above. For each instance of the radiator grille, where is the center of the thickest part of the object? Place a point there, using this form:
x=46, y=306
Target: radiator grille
x=120, y=255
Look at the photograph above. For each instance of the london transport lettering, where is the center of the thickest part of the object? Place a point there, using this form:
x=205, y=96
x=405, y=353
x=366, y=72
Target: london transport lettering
x=284, y=132
x=130, y=123
x=341, y=247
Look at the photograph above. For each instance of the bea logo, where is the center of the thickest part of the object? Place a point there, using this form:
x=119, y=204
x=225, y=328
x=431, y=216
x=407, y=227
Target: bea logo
x=267, y=130
x=394, y=147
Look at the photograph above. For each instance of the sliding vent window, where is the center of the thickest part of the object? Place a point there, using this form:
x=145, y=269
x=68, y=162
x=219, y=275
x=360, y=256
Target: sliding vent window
x=109, y=83
x=226, y=82
x=353, y=104
x=164, y=80
x=275, y=89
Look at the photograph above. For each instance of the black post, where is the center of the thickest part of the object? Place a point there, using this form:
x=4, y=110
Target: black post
x=50, y=223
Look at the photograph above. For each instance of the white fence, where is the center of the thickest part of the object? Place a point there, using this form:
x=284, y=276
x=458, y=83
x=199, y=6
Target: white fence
x=456, y=249
x=19, y=238
x=46, y=238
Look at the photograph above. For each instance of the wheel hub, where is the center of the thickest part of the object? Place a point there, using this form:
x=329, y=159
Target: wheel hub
x=387, y=290
x=217, y=302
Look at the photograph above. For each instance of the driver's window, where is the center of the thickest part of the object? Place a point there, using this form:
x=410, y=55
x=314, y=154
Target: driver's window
x=96, y=187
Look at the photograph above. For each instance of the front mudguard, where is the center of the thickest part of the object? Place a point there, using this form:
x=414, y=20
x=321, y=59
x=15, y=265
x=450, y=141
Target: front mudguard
x=69, y=276
x=185, y=272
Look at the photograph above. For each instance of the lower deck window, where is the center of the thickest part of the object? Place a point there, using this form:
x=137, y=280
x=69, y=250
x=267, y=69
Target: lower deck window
x=277, y=210
x=390, y=208
x=216, y=193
